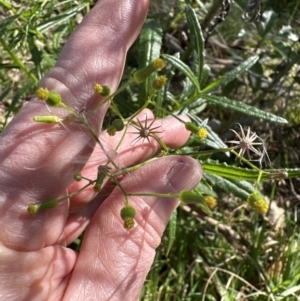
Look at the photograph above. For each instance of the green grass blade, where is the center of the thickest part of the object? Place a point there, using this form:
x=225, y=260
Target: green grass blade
x=243, y=108
x=197, y=40
x=172, y=231
x=61, y=18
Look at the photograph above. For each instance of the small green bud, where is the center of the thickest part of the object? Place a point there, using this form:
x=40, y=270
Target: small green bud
x=257, y=201
x=188, y=197
x=191, y=127
x=47, y=204
x=142, y=74
x=53, y=99
x=97, y=187
x=47, y=119
x=127, y=212
x=118, y=124
x=159, y=82
x=77, y=177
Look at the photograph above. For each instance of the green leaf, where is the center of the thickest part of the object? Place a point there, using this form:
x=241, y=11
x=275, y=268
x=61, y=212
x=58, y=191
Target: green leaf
x=231, y=75
x=185, y=69
x=36, y=54
x=228, y=186
x=172, y=231
x=240, y=69
x=239, y=173
x=231, y=172
x=243, y=108
x=150, y=42
x=197, y=40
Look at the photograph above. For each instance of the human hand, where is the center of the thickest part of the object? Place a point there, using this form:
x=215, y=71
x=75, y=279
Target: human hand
x=38, y=161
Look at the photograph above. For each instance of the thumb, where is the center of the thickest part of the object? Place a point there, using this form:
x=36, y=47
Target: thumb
x=114, y=262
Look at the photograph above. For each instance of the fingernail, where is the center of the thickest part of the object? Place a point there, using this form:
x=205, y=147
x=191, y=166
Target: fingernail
x=184, y=175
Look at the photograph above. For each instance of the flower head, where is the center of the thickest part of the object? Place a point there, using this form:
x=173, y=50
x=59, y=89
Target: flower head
x=246, y=142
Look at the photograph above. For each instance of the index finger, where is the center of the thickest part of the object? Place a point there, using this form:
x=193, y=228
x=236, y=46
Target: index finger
x=37, y=160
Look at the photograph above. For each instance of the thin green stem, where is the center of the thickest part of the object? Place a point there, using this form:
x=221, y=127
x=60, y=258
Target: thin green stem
x=161, y=195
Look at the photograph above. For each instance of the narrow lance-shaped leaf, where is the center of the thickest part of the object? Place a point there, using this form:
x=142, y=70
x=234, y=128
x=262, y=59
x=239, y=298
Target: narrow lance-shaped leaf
x=197, y=40
x=150, y=41
x=185, y=69
x=243, y=108
x=231, y=75
x=231, y=172
x=227, y=185
x=240, y=69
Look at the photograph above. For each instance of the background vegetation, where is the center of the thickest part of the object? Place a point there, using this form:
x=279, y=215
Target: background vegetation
x=235, y=253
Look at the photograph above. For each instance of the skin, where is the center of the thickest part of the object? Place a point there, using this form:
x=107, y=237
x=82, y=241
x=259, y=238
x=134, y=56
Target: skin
x=39, y=160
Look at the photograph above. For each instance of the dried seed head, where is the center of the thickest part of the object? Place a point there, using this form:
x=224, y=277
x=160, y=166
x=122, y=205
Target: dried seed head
x=144, y=132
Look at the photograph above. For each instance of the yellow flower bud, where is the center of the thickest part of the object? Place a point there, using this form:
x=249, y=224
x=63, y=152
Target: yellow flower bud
x=128, y=223
x=210, y=202
x=142, y=74
x=102, y=90
x=257, y=201
x=202, y=133
x=111, y=130
x=159, y=82
x=42, y=93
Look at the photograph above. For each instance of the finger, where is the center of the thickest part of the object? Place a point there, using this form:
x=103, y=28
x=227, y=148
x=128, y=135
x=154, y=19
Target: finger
x=38, y=160
x=113, y=262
